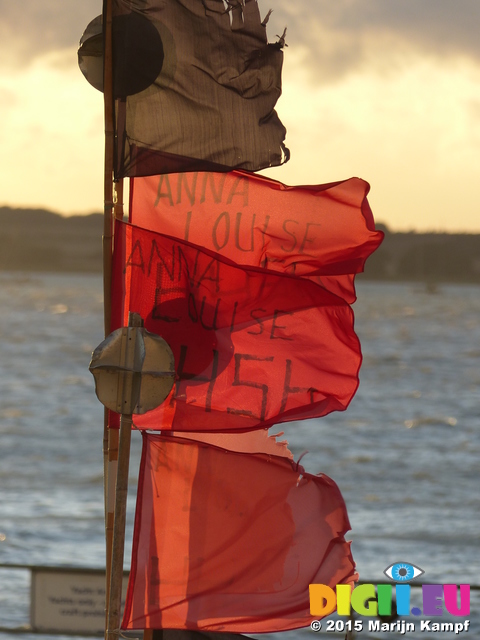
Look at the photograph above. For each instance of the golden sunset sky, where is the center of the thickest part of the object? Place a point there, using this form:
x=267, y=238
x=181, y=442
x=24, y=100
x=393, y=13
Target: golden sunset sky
x=386, y=90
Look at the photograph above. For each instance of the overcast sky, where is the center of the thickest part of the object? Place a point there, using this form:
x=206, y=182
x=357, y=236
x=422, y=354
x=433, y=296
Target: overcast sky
x=387, y=90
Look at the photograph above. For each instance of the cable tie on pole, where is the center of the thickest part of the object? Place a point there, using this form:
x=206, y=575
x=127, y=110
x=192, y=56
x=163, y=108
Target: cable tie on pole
x=121, y=635
x=126, y=637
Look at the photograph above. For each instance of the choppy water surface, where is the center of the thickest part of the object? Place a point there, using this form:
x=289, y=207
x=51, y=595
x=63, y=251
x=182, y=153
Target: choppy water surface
x=405, y=454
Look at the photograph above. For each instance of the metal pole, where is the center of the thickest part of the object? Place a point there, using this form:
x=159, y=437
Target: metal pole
x=118, y=546
x=125, y=395
x=109, y=153
x=110, y=437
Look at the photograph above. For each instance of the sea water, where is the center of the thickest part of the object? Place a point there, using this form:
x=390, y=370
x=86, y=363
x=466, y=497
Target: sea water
x=405, y=453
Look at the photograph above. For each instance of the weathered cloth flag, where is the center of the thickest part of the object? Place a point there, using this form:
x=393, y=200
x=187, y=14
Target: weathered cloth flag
x=195, y=84
x=321, y=232
x=252, y=347
x=228, y=541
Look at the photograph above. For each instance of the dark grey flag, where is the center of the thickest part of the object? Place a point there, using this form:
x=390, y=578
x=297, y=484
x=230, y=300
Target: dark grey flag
x=196, y=83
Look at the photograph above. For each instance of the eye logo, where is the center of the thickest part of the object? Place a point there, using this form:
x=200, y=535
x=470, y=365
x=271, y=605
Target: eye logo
x=403, y=571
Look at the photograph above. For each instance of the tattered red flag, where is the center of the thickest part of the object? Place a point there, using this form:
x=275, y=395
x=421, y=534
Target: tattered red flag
x=322, y=232
x=228, y=541
x=252, y=347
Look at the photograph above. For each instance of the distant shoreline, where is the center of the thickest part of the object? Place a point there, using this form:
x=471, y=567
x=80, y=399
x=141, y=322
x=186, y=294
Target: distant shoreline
x=40, y=240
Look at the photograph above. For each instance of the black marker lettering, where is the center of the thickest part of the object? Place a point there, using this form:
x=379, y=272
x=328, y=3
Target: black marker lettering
x=171, y=272
x=287, y=389
x=183, y=264
x=232, y=324
x=243, y=193
x=213, y=267
x=248, y=383
x=277, y=313
x=305, y=237
x=292, y=235
x=130, y=262
x=217, y=194
x=189, y=189
x=160, y=194
x=264, y=231
x=213, y=326
x=225, y=215
x=260, y=323
x=238, y=222
x=184, y=375
x=156, y=315
x=187, y=225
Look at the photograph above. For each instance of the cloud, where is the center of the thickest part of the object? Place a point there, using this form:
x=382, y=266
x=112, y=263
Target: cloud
x=32, y=28
x=51, y=136
x=347, y=35
x=336, y=37
x=383, y=89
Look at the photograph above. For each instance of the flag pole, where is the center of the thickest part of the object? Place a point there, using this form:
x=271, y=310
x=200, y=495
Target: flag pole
x=114, y=601
x=109, y=150
x=110, y=436
x=124, y=356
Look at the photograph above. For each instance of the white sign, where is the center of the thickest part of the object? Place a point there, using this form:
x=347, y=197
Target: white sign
x=69, y=600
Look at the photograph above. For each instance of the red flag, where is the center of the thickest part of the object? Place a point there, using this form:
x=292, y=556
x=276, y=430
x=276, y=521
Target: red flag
x=321, y=232
x=252, y=347
x=227, y=541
